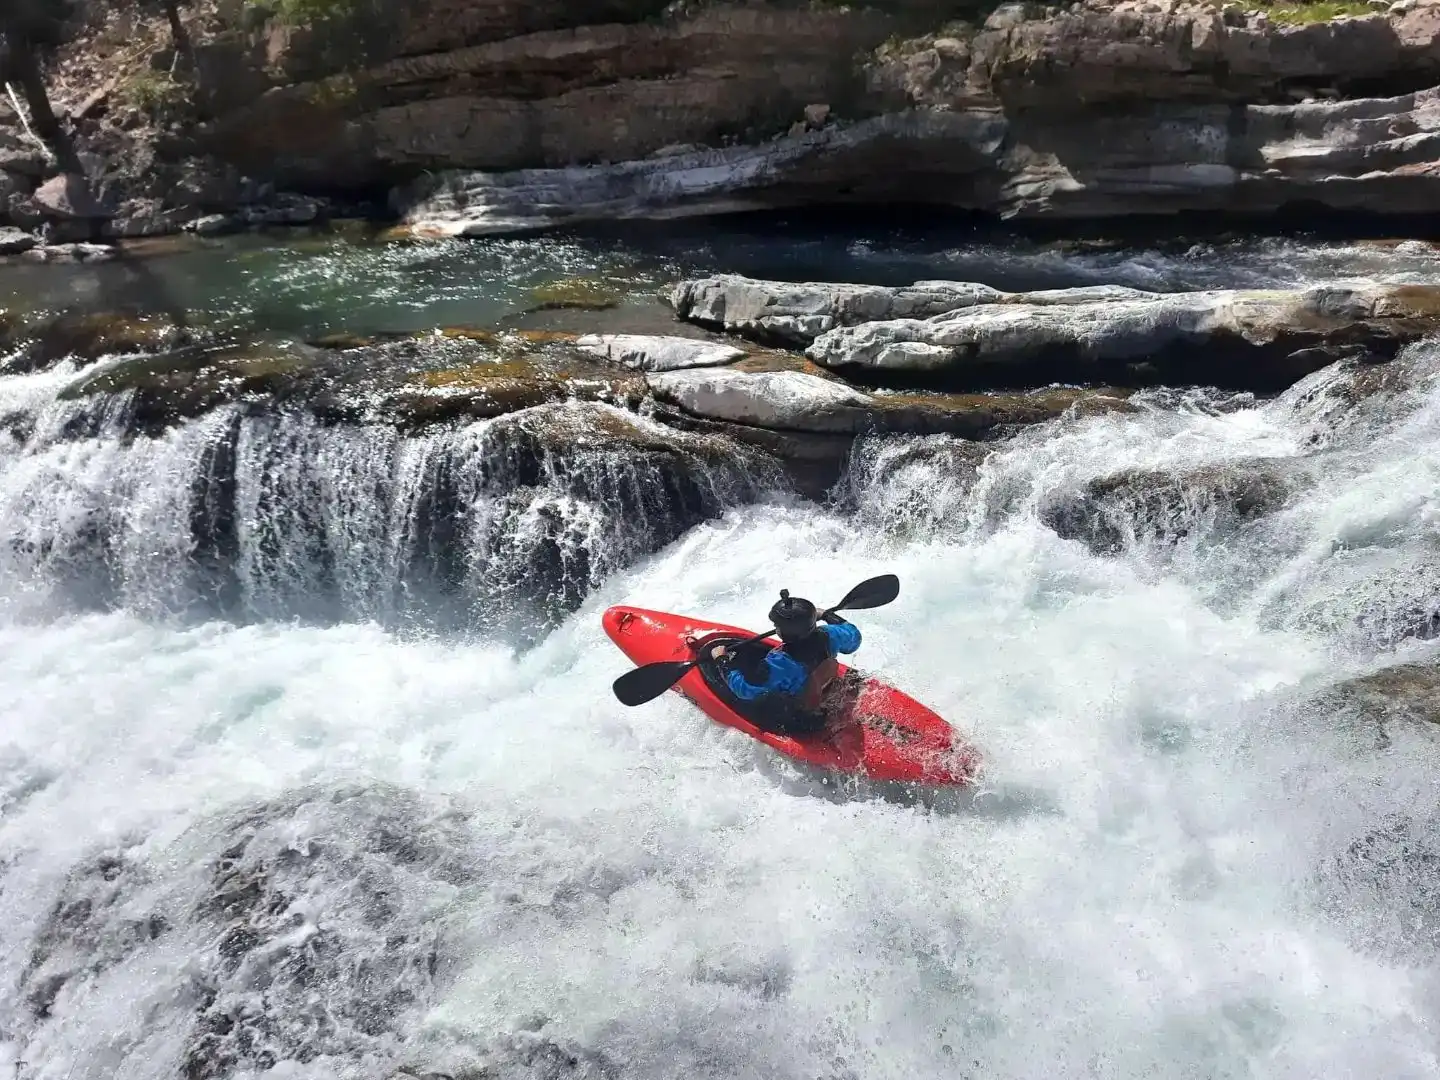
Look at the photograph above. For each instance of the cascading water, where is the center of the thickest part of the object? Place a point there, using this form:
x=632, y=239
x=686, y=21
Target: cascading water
x=323, y=849
x=498, y=525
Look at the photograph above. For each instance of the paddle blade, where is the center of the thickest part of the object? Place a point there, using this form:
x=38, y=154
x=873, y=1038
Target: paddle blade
x=877, y=592
x=648, y=682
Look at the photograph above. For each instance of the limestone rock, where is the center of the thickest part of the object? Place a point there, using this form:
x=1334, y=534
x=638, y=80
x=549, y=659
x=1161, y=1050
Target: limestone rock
x=796, y=314
x=787, y=400
x=1261, y=340
x=654, y=353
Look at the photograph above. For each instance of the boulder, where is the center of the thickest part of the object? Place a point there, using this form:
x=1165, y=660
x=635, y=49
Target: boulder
x=1150, y=505
x=84, y=337
x=1242, y=339
x=68, y=197
x=1399, y=693
x=15, y=241
x=654, y=353
x=796, y=314
x=781, y=400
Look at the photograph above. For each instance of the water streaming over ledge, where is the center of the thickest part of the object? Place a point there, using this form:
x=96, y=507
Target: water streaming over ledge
x=499, y=526
x=315, y=848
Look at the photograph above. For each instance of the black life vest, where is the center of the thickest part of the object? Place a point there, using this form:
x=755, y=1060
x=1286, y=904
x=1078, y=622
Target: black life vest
x=810, y=651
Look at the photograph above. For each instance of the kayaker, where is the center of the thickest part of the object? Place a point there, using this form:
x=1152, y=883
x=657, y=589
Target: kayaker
x=801, y=670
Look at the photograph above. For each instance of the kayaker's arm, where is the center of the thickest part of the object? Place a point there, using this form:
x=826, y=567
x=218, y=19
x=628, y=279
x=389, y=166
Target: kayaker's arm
x=844, y=636
x=740, y=688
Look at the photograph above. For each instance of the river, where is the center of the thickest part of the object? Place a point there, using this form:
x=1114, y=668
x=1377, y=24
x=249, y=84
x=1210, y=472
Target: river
x=468, y=855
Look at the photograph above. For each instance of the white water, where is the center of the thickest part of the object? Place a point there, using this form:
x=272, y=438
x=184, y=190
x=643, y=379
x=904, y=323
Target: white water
x=1146, y=890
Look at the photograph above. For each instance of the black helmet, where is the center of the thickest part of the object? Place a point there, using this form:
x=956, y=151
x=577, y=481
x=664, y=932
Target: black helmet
x=792, y=617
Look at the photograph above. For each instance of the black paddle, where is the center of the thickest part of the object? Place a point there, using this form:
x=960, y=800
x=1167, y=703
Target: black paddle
x=648, y=682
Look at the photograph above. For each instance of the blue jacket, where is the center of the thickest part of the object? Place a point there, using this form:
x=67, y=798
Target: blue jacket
x=786, y=675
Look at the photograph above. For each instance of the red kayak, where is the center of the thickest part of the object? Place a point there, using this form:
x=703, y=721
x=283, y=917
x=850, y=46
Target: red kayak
x=876, y=730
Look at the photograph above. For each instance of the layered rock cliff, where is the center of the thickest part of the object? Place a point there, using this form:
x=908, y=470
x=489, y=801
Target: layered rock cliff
x=494, y=115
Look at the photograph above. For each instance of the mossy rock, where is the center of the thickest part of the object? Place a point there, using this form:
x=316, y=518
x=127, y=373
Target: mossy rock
x=984, y=416
x=504, y=385
x=1404, y=692
x=86, y=337
x=577, y=294
x=189, y=382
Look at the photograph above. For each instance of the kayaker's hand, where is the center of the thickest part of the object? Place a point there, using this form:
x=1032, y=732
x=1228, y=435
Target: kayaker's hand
x=833, y=618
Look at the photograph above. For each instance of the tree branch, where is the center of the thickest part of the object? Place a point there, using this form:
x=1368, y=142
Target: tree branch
x=25, y=122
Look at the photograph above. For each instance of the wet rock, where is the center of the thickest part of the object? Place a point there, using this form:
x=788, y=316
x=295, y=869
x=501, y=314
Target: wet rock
x=1403, y=693
x=86, y=337
x=647, y=352
x=74, y=252
x=914, y=488
x=172, y=386
x=1382, y=890
x=1373, y=592
x=794, y=400
x=1146, y=506
x=560, y=496
x=785, y=400
x=810, y=421
x=1258, y=340
x=214, y=225
x=796, y=314
x=577, y=294
x=472, y=376
x=15, y=241
x=332, y=895
x=1352, y=399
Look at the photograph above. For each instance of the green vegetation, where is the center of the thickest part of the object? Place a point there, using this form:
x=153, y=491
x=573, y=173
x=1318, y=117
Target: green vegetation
x=579, y=294
x=1304, y=12
x=155, y=93
x=308, y=12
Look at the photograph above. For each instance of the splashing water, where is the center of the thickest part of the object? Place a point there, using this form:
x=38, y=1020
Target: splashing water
x=1180, y=865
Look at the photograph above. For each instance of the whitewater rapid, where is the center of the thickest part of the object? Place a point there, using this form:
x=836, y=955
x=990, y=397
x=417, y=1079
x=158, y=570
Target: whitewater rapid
x=1146, y=885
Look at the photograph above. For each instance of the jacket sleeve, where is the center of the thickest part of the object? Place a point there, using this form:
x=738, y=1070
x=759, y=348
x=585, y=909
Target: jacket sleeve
x=740, y=688
x=844, y=638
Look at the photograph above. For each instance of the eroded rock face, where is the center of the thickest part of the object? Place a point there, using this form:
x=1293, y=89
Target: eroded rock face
x=639, y=108
x=797, y=314
x=1257, y=340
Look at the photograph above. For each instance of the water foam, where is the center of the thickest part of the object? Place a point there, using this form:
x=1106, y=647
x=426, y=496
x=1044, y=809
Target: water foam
x=1179, y=865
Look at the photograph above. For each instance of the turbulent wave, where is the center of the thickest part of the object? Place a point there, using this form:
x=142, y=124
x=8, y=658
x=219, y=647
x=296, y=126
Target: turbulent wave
x=249, y=829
